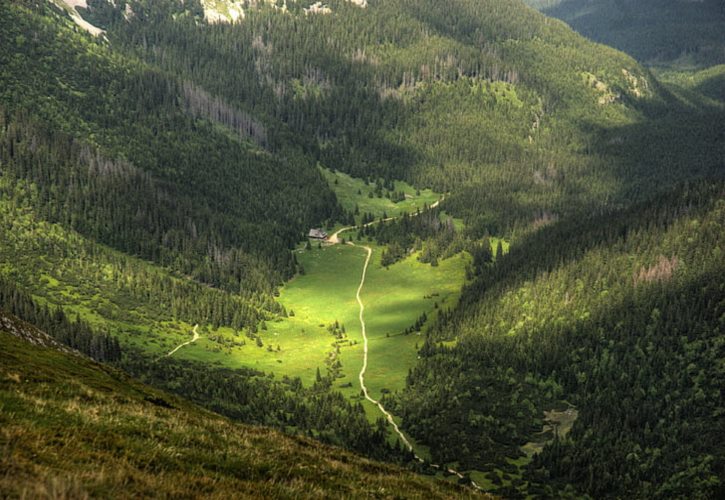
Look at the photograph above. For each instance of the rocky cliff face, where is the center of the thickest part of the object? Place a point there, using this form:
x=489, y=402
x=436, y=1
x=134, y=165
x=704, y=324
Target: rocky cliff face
x=29, y=333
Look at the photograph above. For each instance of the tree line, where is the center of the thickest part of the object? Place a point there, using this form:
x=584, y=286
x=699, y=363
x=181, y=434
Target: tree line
x=74, y=333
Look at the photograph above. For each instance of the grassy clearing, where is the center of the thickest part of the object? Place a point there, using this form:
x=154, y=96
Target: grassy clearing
x=394, y=299
x=302, y=344
x=314, y=301
x=293, y=346
x=352, y=192
x=556, y=421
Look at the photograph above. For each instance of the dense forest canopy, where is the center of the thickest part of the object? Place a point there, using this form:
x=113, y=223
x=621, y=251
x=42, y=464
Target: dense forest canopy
x=619, y=314
x=370, y=91
x=134, y=169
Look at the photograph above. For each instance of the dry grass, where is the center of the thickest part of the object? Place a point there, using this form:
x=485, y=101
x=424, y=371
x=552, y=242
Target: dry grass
x=72, y=429
x=661, y=271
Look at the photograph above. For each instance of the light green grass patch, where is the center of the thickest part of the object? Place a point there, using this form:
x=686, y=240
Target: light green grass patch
x=352, y=192
x=296, y=346
x=394, y=298
x=505, y=245
x=504, y=93
x=315, y=300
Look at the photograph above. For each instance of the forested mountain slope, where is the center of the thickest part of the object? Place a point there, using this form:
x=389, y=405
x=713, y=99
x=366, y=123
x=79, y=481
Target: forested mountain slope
x=659, y=32
x=621, y=315
x=244, y=394
x=140, y=219
x=201, y=158
x=102, y=434
x=487, y=99
x=117, y=154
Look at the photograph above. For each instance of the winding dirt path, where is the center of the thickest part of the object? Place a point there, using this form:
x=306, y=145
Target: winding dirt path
x=194, y=339
x=361, y=375
x=335, y=239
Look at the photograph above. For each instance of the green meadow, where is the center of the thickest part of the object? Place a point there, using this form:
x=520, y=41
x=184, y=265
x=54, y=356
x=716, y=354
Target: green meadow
x=302, y=344
x=394, y=298
x=353, y=192
x=322, y=330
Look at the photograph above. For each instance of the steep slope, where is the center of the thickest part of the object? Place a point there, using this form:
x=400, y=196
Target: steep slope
x=511, y=111
x=246, y=395
x=659, y=32
x=72, y=428
x=136, y=159
x=622, y=317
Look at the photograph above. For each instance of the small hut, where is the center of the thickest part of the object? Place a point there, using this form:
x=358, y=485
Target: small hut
x=317, y=234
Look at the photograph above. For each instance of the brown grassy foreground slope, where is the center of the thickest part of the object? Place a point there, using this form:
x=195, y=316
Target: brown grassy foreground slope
x=71, y=428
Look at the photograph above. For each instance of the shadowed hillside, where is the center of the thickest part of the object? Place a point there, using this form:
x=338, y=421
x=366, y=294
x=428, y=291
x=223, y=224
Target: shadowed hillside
x=659, y=32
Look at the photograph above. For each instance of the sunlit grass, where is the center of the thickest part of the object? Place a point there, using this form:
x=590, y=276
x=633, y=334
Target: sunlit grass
x=352, y=192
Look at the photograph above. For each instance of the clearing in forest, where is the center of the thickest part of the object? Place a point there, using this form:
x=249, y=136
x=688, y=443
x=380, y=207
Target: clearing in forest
x=323, y=329
x=375, y=198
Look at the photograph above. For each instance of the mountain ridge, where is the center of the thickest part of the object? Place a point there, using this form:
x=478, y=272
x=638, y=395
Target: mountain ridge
x=671, y=33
